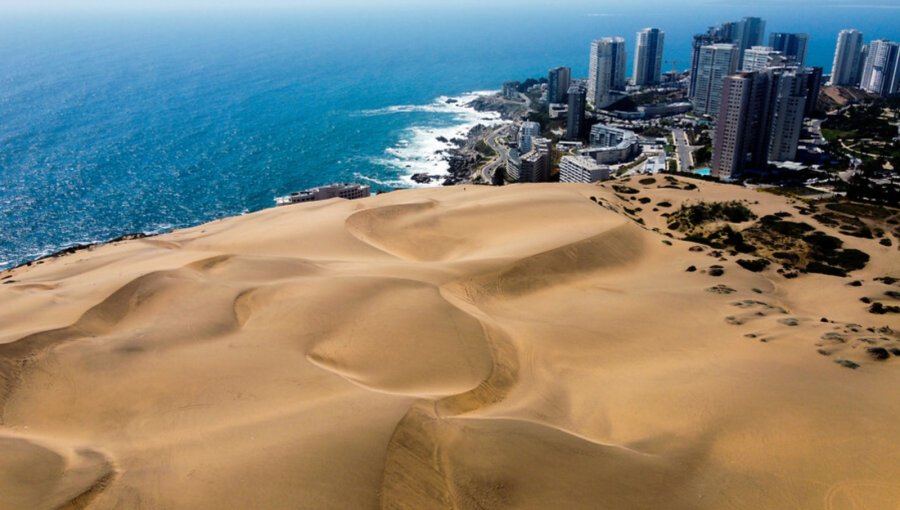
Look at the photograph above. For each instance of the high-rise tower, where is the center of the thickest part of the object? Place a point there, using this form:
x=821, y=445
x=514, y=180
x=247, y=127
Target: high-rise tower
x=847, y=59
x=607, y=70
x=648, y=56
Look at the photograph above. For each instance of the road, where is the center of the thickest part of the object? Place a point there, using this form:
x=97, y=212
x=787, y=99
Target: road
x=492, y=139
x=684, y=155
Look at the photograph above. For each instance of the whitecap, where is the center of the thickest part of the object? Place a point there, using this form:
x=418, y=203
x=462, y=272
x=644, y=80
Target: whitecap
x=425, y=148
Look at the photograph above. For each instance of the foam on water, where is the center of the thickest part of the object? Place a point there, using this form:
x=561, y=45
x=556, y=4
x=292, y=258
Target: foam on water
x=426, y=145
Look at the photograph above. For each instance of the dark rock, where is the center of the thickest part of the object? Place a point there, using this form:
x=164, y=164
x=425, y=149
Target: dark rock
x=422, y=178
x=692, y=269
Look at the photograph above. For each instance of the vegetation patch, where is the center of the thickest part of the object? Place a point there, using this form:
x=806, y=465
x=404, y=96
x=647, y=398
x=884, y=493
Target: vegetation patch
x=861, y=210
x=721, y=289
x=716, y=271
x=625, y=190
x=847, y=363
x=882, y=309
x=755, y=265
x=797, y=246
x=690, y=217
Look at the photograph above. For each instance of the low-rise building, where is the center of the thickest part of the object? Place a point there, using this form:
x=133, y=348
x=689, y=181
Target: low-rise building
x=611, y=145
x=581, y=169
x=340, y=190
x=511, y=90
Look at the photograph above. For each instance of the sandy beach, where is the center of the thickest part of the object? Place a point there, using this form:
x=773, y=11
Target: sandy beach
x=530, y=346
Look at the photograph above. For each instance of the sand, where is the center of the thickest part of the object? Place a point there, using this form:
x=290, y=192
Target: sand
x=465, y=347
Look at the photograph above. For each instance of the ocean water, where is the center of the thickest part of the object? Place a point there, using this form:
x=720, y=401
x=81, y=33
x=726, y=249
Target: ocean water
x=115, y=123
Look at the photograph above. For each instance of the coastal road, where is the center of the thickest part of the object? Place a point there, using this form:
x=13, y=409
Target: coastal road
x=684, y=155
x=493, y=141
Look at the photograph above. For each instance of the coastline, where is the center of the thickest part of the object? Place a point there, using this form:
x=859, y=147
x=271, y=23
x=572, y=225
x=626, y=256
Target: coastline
x=434, y=152
x=463, y=159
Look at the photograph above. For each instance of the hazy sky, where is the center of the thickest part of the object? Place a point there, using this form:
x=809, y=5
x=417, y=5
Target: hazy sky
x=394, y=4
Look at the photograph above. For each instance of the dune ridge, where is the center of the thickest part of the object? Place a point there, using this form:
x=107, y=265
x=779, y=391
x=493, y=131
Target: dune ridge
x=520, y=347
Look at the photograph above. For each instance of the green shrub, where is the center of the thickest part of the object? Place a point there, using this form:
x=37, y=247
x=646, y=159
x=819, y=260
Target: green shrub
x=818, y=267
x=756, y=265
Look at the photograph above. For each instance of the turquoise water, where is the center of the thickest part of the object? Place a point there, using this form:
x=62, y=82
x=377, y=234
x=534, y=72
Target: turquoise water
x=113, y=124
x=703, y=171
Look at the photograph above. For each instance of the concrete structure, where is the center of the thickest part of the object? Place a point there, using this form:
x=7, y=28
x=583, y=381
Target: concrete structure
x=741, y=117
x=758, y=58
x=558, y=83
x=607, y=70
x=789, y=89
x=608, y=136
x=527, y=131
x=581, y=169
x=558, y=111
x=665, y=110
x=848, y=58
x=700, y=40
x=743, y=34
x=340, y=190
x=511, y=90
x=792, y=45
x=610, y=146
x=576, y=116
x=760, y=119
x=814, y=81
x=881, y=71
x=750, y=32
x=716, y=61
x=533, y=166
x=648, y=54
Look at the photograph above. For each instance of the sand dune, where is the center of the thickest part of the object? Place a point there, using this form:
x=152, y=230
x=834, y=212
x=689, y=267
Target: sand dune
x=520, y=347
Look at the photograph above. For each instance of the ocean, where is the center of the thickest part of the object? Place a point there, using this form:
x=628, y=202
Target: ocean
x=115, y=123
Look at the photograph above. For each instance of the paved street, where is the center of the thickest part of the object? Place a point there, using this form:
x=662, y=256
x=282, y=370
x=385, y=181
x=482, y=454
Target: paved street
x=492, y=139
x=683, y=153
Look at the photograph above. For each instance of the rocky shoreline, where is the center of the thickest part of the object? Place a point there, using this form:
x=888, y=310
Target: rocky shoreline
x=464, y=158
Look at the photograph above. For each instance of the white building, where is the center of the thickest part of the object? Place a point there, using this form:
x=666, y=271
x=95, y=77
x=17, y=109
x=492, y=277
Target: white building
x=607, y=70
x=610, y=145
x=761, y=57
x=581, y=169
x=648, y=54
x=881, y=71
x=848, y=57
x=533, y=166
x=716, y=61
x=527, y=131
x=345, y=191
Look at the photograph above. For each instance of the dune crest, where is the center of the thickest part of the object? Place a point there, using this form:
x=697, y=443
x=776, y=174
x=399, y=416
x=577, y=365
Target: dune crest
x=546, y=346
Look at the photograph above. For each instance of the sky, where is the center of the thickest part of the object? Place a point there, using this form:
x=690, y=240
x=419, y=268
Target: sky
x=331, y=5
